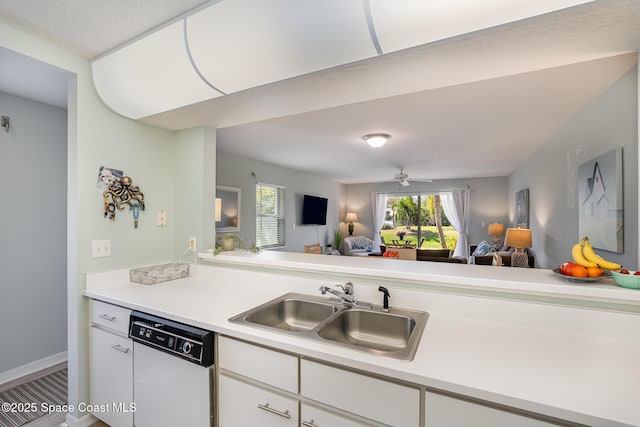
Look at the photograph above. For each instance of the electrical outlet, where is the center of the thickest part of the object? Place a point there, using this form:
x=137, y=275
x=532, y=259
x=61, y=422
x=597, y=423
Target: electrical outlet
x=100, y=248
x=192, y=243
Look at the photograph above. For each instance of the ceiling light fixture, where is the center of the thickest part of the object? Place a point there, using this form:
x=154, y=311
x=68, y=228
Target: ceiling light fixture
x=376, y=140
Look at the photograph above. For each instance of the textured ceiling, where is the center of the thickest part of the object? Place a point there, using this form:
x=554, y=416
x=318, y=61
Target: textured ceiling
x=92, y=27
x=506, y=89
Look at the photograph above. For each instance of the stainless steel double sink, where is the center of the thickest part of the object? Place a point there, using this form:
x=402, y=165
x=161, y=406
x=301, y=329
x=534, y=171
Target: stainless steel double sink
x=394, y=334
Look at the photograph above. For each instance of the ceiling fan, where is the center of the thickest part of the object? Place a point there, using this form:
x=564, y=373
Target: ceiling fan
x=403, y=179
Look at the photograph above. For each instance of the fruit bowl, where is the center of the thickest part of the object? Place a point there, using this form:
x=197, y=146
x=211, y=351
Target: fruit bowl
x=630, y=280
x=576, y=279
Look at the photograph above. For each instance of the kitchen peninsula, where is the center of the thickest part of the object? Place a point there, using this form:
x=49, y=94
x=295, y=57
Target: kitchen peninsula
x=499, y=342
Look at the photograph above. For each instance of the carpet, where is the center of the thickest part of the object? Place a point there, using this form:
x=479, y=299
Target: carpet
x=34, y=399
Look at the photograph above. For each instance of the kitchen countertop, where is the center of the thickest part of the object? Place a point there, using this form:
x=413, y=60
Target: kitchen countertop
x=570, y=373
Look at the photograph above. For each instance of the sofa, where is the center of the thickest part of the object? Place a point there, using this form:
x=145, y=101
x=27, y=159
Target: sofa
x=438, y=255
x=354, y=245
x=504, y=252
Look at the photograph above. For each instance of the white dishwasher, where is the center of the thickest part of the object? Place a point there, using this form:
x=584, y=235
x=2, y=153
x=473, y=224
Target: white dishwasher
x=172, y=373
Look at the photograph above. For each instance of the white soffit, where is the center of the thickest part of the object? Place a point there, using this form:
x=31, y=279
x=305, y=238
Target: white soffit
x=150, y=75
x=408, y=23
x=242, y=44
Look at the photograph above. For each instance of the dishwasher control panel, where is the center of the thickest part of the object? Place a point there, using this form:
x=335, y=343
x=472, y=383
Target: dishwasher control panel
x=190, y=343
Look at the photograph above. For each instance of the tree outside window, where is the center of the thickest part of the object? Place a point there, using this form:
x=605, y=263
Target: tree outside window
x=422, y=220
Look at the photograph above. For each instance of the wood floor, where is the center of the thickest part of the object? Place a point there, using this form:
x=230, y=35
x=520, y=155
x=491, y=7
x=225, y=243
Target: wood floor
x=99, y=424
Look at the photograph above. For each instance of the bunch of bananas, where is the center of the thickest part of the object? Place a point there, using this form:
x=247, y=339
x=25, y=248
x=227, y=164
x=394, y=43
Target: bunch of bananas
x=584, y=255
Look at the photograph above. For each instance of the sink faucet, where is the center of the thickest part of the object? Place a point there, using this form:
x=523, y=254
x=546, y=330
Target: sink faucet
x=347, y=295
x=385, y=301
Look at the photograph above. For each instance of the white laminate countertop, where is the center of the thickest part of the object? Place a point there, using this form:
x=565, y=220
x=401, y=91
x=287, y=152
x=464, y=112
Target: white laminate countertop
x=570, y=374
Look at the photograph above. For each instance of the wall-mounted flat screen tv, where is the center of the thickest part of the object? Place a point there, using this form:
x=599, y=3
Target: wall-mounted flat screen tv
x=314, y=210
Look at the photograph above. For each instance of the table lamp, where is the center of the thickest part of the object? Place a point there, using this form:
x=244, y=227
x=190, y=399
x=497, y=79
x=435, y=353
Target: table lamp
x=496, y=230
x=351, y=218
x=519, y=238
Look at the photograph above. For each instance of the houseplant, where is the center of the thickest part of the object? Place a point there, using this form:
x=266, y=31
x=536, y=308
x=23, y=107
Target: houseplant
x=337, y=239
x=232, y=241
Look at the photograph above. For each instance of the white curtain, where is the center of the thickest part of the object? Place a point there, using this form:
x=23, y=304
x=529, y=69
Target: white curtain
x=379, y=206
x=456, y=208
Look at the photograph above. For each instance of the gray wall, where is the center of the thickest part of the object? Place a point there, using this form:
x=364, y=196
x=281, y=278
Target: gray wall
x=235, y=171
x=488, y=200
x=33, y=233
x=611, y=121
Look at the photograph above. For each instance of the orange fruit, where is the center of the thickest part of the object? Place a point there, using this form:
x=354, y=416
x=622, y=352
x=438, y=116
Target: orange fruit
x=579, y=271
x=594, y=272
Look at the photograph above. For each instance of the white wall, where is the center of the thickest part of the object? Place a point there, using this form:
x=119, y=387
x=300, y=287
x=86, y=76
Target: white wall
x=488, y=200
x=195, y=160
x=97, y=136
x=611, y=121
x=235, y=171
x=33, y=232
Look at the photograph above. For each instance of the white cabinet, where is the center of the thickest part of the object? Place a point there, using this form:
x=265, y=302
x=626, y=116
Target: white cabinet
x=109, y=316
x=112, y=377
x=259, y=386
x=259, y=363
x=310, y=416
x=383, y=401
x=444, y=411
x=241, y=404
x=111, y=365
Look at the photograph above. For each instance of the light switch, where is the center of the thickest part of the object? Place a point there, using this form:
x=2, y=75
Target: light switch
x=161, y=220
x=100, y=248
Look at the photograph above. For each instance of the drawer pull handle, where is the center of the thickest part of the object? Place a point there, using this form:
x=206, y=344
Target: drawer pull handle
x=107, y=317
x=309, y=423
x=267, y=408
x=120, y=348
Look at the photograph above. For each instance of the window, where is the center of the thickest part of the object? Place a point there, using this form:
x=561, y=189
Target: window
x=269, y=215
x=418, y=219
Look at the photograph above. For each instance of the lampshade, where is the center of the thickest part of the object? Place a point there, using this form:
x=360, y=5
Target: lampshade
x=495, y=229
x=376, y=140
x=519, y=238
x=218, y=209
x=351, y=217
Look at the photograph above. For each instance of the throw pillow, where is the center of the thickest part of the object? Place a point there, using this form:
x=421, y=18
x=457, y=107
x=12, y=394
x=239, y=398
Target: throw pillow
x=482, y=249
x=360, y=242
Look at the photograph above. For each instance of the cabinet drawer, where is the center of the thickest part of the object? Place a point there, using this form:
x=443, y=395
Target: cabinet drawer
x=258, y=363
x=241, y=404
x=373, y=398
x=110, y=316
x=443, y=411
x=310, y=416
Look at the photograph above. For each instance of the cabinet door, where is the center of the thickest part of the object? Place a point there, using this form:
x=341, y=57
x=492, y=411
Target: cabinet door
x=241, y=404
x=111, y=377
x=444, y=411
x=311, y=416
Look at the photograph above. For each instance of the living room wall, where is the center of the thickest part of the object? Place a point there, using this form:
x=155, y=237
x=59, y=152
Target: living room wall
x=610, y=121
x=236, y=171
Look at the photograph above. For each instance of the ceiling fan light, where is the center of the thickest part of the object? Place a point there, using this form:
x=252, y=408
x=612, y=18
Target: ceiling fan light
x=376, y=140
x=404, y=183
